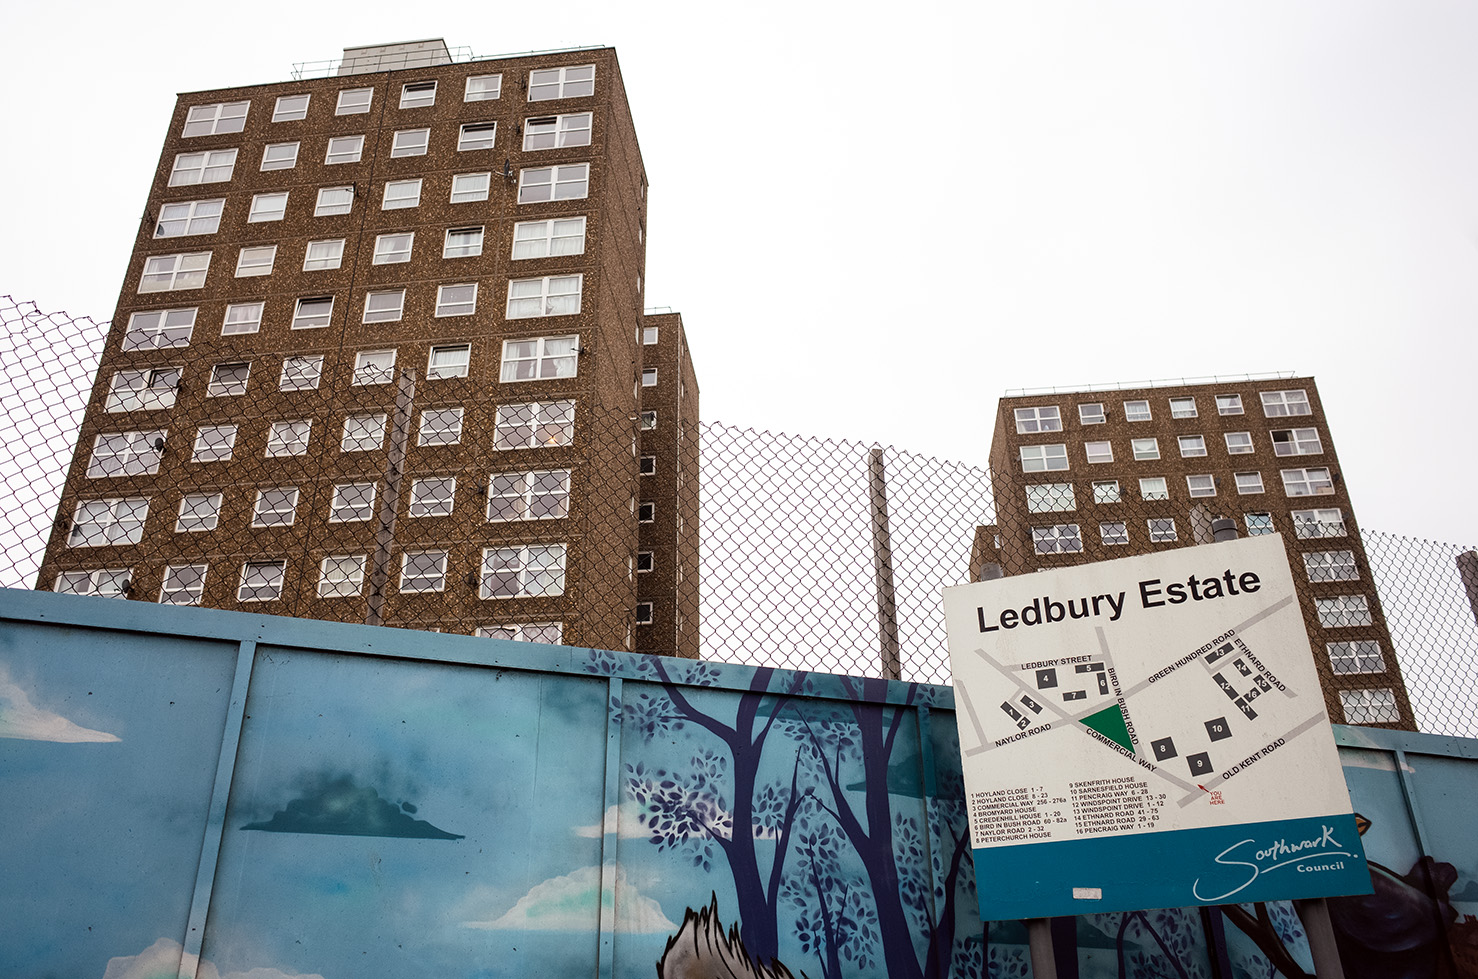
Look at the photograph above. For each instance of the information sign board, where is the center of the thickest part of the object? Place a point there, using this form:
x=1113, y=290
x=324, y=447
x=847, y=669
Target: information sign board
x=1145, y=733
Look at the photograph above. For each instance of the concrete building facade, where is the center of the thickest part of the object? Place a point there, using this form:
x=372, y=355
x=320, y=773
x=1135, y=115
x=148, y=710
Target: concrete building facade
x=1092, y=475
x=380, y=356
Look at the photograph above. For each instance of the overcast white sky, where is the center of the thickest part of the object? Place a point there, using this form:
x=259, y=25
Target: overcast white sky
x=876, y=218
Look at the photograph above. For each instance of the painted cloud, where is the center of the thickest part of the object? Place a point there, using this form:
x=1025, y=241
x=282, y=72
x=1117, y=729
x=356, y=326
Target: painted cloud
x=336, y=806
x=163, y=959
x=23, y=720
x=569, y=903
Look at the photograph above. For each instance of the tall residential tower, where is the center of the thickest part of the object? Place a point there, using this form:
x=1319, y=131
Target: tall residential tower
x=380, y=356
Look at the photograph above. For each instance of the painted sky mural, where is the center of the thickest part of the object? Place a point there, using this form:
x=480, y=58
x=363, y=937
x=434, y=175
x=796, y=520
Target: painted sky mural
x=405, y=816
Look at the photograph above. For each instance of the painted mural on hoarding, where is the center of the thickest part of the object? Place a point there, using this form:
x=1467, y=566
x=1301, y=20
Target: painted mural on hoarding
x=451, y=818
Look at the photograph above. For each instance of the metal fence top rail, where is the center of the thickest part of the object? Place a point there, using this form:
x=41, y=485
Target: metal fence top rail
x=1162, y=382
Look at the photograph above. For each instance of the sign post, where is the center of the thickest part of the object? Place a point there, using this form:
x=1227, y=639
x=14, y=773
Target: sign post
x=1147, y=733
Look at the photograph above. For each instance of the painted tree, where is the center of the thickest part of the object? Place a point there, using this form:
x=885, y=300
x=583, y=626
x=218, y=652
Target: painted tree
x=847, y=871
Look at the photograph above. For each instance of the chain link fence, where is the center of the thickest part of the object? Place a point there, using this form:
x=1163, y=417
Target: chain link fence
x=812, y=553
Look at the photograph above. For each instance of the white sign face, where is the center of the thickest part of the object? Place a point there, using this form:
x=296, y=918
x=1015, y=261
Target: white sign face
x=1148, y=732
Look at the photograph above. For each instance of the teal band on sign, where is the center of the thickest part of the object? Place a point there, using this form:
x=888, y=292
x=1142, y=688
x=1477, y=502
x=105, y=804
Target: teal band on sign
x=1319, y=856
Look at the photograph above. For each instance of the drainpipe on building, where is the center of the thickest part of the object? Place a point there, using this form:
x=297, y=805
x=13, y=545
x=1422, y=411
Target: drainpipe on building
x=882, y=563
x=400, y=433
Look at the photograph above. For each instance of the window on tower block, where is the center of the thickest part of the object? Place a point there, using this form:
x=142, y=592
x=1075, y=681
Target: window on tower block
x=143, y=390
x=457, y=300
x=374, y=367
x=483, y=88
x=126, y=454
x=1046, y=418
x=410, y=142
x=322, y=255
x=189, y=218
x=159, y=329
x=570, y=181
x=530, y=571
x=170, y=273
x=423, y=571
x=1063, y=538
x=433, y=497
x=448, y=361
x=354, y=101
x=553, y=132
x=414, y=95
x=538, y=495
x=1137, y=411
x=261, y=581
x=1370, y=706
x=290, y=107
x=401, y=193
x=551, y=295
x=183, y=584
x=1091, y=413
x=100, y=523
x=279, y=156
x=1280, y=404
x=341, y=576
x=1043, y=458
x=540, y=358
x=543, y=239
x=215, y=119
x=210, y=167
x=476, y=136
x=534, y=424
x=561, y=83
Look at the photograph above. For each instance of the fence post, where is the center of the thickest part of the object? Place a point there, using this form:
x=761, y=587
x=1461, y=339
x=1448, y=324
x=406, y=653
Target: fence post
x=1467, y=569
x=882, y=564
x=400, y=433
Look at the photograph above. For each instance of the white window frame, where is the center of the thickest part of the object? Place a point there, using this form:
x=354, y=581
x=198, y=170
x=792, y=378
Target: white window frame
x=1113, y=533
x=1091, y=413
x=198, y=512
x=1296, y=442
x=1285, y=404
x=1107, y=491
x=410, y=142
x=644, y=613
x=214, y=443
x=354, y=101
x=557, y=132
x=540, y=494
x=549, y=238
x=175, y=272
x=378, y=307
x=276, y=506
x=487, y=89
x=344, y=149
x=1331, y=565
x=406, y=193
x=1191, y=446
x=537, y=424
x=1048, y=457
x=649, y=377
x=648, y=421
x=183, y=584
x=1050, y=498
x=100, y=583
x=440, y=426
x=649, y=336
x=108, y=522
x=527, y=571
x=1183, y=408
x=298, y=370
x=416, y=95
x=1307, y=482
x=242, y=318
x=1229, y=404
x=1137, y=411
x=549, y=295
x=353, y=502
x=330, y=255
x=1344, y=612
x=548, y=84
x=228, y=380
x=422, y=572
x=1095, y=452
x=1318, y=524
x=394, y=248
x=159, y=329
x=432, y=496
x=1145, y=449
x=540, y=358
x=459, y=299
x=132, y=453
x=215, y=119
x=1201, y=485
x=463, y=242
x=1259, y=523
x=1149, y=490
x=146, y=389
x=557, y=182
x=341, y=576
x=205, y=167
x=280, y=156
x=1239, y=443
x=261, y=581
x=645, y=561
x=255, y=260
x=449, y=366
x=473, y=193
x=1370, y=705
x=192, y=217
x=363, y=433
x=473, y=137
x=322, y=209
x=373, y=367
x=1037, y=419
x=548, y=633
x=1162, y=530
x=288, y=438
x=1062, y=538
x=646, y=511
x=313, y=312
x=285, y=109
x=1249, y=483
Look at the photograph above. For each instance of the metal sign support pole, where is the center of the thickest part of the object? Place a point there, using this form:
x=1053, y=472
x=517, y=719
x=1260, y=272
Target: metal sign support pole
x=1039, y=941
x=1314, y=913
